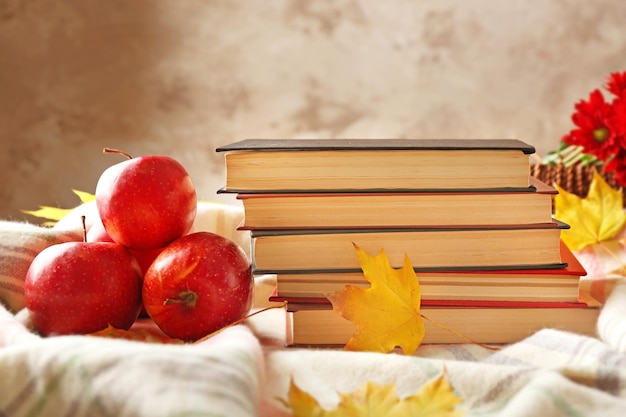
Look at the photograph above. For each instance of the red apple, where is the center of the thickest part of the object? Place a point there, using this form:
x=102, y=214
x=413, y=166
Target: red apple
x=97, y=233
x=146, y=257
x=146, y=202
x=199, y=283
x=82, y=287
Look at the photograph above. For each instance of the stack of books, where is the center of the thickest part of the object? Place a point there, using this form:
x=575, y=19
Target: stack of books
x=476, y=226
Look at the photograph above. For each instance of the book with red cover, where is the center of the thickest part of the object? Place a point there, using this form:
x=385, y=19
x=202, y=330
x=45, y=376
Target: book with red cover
x=298, y=304
x=560, y=285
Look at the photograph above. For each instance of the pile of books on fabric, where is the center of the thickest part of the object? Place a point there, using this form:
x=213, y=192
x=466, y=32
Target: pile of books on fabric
x=478, y=229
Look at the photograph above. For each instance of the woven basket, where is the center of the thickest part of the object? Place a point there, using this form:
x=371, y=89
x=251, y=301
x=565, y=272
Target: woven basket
x=574, y=179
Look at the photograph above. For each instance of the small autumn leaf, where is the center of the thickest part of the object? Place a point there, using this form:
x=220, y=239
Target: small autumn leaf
x=84, y=196
x=140, y=334
x=51, y=214
x=303, y=404
x=436, y=398
x=54, y=214
x=596, y=218
x=387, y=314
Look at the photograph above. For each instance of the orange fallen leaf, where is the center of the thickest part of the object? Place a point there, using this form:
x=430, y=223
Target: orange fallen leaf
x=436, y=398
x=140, y=334
x=386, y=315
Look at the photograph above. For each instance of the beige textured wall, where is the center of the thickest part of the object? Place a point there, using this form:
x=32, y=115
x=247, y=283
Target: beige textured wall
x=182, y=77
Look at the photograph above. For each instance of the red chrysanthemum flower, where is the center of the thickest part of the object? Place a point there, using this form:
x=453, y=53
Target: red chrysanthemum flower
x=620, y=177
x=617, y=165
x=593, y=132
x=616, y=84
x=617, y=122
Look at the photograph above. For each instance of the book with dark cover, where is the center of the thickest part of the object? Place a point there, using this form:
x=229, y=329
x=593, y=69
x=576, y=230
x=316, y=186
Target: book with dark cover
x=375, y=210
x=336, y=165
x=376, y=144
x=536, y=285
x=496, y=247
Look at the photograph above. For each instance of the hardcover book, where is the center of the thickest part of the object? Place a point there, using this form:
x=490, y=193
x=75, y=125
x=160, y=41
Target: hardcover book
x=525, y=285
x=319, y=325
x=498, y=247
x=287, y=165
x=368, y=210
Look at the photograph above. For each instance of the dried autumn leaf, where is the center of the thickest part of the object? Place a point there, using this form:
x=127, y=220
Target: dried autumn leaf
x=139, y=334
x=436, y=398
x=303, y=404
x=387, y=314
x=596, y=218
x=51, y=214
x=84, y=196
x=54, y=214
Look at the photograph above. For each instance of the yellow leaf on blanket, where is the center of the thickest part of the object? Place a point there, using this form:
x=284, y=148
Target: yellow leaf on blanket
x=84, y=197
x=436, y=398
x=54, y=214
x=596, y=218
x=51, y=214
x=387, y=314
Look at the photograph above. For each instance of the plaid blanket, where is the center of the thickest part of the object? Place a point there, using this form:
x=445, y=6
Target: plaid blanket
x=551, y=373
x=245, y=371
x=92, y=376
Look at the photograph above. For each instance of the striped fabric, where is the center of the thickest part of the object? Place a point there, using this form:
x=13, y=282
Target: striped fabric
x=549, y=374
x=604, y=263
x=19, y=244
x=90, y=376
x=612, y=321
x=244, y=371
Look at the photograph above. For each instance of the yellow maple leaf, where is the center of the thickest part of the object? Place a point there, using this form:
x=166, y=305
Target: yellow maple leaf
x=303, y=404
x=436, y=398
x=54, y=214
x=51, y=214
x=387, y=314
x=596, y=218
x=84, y=196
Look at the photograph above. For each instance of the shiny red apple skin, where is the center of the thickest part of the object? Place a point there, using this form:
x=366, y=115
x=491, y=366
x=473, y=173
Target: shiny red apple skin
x=97, y=233
x=200, y=283
x=145, y=257
x=82, y=287
x=146, y=202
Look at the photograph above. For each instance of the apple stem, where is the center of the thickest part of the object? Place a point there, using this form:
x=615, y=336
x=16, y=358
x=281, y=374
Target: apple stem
x=117, y=151
x=188, y=298
x=83, y=220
